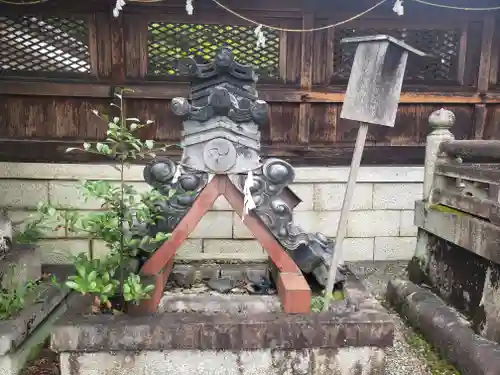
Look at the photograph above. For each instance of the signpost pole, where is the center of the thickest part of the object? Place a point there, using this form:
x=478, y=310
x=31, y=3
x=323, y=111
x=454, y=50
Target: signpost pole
x=346, y=207
x=372, y=97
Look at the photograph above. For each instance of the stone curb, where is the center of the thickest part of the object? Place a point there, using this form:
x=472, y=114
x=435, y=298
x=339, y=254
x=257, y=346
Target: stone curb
x=442, y=326
x=367, y=324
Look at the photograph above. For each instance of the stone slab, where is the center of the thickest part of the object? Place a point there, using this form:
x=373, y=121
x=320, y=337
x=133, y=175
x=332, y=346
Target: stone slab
x=13, y=362
x=470, y=353
x=216, y=304
x=344, y=361
x=462, y=229
x=39, y=305
x=367, y=325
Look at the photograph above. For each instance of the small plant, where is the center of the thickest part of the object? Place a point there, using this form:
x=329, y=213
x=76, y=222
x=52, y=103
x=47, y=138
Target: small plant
x=134, y=291
x=318, y=302
x=13, y=294
x=122, y=224
x=34, y=227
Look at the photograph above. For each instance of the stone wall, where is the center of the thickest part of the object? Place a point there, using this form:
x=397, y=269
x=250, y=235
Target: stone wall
x=380, y=227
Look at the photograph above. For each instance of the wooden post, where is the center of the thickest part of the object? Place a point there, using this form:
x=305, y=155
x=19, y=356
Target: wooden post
x=346, y=206
x=372, y=97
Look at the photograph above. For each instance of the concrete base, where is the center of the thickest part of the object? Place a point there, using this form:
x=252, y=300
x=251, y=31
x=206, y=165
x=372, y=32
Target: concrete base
x=13, y=362
x=442, y=326
x=345, y=361
x=23, y=336
x=229, y=335
x=458, y=256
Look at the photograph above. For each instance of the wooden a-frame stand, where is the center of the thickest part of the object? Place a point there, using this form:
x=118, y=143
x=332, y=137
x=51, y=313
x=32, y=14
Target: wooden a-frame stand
x=293, y=290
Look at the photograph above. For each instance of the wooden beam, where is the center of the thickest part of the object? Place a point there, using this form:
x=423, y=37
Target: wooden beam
x=306, y=77
x=54, y=151
x=268, y=92
x=293, y=290
x=44, y=88
x=486, y=49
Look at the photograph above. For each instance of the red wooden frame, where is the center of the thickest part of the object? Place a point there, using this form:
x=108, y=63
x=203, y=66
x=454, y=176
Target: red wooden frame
x=293, y=290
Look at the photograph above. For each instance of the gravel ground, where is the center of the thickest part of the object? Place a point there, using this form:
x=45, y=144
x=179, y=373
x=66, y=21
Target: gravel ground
x=402, y=358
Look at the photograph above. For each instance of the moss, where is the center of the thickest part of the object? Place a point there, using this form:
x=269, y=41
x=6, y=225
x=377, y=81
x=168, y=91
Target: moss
x=437, y=365
x=446, y=209
x=317, y=302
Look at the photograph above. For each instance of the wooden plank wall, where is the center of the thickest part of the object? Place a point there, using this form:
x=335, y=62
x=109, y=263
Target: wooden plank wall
x=41, y=115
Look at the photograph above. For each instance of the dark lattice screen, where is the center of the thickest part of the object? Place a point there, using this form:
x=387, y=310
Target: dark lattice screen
x=444, y=45
x=168, y=42
x=34, y=44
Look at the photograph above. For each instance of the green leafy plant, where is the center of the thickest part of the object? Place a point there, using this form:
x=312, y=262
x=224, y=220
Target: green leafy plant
x=318, y=302
x=134, y=290
x=35, y=226
x=122, y=223
x=13, y=294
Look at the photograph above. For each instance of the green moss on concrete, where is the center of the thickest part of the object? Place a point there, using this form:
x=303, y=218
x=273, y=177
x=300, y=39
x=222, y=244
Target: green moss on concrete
x=446, y=209
x=437, y=365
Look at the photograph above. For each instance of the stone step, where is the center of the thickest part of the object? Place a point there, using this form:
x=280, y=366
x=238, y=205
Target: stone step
x=217, y=303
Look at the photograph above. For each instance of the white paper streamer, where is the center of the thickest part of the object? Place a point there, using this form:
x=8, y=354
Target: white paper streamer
x=248, y=202
x=398, y=8
x=177, y=174
x=189, y=7
x=261, y=38
x=118, y=7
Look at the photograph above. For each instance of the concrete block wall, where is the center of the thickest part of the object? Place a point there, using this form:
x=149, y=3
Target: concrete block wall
x=380, y=226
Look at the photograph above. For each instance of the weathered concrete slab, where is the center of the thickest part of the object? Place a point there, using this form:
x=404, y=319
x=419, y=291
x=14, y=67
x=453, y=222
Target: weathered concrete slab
x=22, y=336
x=467, y=231
x=366, y=325
x=14, y=361
x=470, y=353
x=468, y=282
x=220, y=304
x=39, y=305
x=345, y=361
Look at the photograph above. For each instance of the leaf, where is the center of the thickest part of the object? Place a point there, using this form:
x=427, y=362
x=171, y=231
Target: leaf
x=72, y=285
x=149, y=144
x=148, y=288
x=81, y=270
x=133, y=126
x=133, y=119
x=126, y=289
x=92, y=276
x=86, y=146
x=107, y=289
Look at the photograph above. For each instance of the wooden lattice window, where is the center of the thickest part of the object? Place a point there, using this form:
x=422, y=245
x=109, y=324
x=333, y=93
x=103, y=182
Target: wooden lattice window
x=33, y=44
x=442, y=44
x=167, y=42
